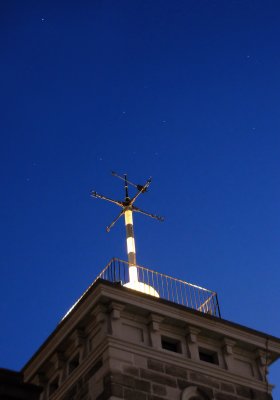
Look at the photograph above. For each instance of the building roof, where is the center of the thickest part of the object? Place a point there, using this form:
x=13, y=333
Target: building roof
x=104, y=291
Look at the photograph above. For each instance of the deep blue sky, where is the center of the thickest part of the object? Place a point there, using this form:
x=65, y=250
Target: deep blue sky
x=185, y=91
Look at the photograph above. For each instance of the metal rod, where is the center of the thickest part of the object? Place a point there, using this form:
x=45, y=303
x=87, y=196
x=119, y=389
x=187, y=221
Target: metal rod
x=126, y=187
x=139, y=187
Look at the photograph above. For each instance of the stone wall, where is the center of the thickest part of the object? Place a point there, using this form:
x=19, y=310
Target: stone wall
x=120, y=345
x=161, y=381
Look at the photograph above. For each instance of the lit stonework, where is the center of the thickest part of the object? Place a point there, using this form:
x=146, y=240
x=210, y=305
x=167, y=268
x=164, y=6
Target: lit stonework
x=118, y=343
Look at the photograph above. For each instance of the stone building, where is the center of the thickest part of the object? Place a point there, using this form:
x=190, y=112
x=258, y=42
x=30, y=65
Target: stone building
x=119, y=343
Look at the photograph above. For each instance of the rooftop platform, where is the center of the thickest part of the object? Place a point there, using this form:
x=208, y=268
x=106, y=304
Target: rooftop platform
x=163, y=286
x=158, y=285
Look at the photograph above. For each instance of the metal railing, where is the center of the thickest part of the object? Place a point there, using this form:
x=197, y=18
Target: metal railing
x=163, y=286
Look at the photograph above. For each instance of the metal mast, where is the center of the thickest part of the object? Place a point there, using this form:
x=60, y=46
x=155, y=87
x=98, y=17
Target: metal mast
x=128, y=208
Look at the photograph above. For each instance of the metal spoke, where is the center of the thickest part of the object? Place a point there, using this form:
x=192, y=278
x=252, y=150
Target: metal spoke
x=144, y=188
x=159, y=218
x=115, y=220
x=100, y=196
x=139, y=187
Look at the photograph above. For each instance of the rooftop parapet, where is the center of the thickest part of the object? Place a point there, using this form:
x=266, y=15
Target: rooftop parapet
x=158, y=285
x=163, y=286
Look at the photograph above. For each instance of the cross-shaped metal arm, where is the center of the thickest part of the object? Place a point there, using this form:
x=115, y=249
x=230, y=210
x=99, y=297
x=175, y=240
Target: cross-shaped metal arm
x=159, y=218
x=143, y=189
x=100, y=196
x=115, y=220
x=128, y=207
x=138, y=187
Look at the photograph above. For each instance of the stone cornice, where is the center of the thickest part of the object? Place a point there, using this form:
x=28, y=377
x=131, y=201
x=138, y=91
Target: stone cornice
x=103, y=293
x=201, y=321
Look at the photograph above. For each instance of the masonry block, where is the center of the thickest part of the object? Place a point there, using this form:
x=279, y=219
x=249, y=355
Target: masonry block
x=159, y=390
x=197, y=377
x=158, y=378
x=227, y=387
x=134, y=395
x=176, y=371
x=155, y=365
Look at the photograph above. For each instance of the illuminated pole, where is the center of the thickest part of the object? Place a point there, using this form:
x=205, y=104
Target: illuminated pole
x=130, y=241
x=130, y=245
x=128, y=208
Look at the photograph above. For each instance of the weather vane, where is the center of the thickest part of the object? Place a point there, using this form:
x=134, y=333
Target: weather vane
x=128, y=208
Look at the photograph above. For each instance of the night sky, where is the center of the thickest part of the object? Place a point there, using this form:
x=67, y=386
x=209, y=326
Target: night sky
x=184, y=91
